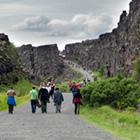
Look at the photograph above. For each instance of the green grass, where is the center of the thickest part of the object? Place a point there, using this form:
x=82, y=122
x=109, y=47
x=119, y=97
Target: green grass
x=123, y=125
x=22, y=89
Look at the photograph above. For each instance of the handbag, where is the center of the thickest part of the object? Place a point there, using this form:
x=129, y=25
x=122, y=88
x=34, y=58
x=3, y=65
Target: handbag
x=38, y=104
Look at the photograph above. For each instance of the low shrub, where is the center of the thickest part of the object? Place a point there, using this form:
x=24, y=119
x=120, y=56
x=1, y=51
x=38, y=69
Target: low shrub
x=63, y=87
x=118, y=92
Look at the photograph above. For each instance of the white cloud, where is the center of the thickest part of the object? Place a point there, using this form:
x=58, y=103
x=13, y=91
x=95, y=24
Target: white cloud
x=82, y=25
x=69, y=22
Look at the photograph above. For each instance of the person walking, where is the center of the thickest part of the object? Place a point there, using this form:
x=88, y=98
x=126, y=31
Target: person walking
x=58, y=99
x=43, y=97
x=73, y=89
x=11, y=100
x=78, y=85
x=77, y=101
x=49, y=89
x=70, y=85
x=52, y=89
x=34, y=99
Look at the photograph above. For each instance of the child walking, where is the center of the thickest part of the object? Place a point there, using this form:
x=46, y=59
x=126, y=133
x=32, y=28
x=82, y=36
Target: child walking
x=11, y=100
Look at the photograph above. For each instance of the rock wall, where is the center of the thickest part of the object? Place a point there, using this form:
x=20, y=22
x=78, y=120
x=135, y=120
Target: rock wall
x=42, y=61
x=9, y=61
x=117, y=49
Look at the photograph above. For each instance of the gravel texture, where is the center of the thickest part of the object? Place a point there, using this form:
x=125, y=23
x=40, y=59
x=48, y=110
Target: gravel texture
x=23, y=125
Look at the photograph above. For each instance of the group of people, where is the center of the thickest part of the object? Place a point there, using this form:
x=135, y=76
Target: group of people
x=41, y=97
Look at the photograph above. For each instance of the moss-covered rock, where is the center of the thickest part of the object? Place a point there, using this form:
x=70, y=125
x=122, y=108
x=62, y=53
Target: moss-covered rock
x=10, y=70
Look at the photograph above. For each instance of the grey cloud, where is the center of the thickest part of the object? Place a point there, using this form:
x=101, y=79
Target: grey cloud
x=8, y=1
x=79, y=26
x=58, y=20
x=73, y=6
x=36, y=24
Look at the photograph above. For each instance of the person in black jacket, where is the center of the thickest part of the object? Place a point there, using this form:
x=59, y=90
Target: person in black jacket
x=43, y=96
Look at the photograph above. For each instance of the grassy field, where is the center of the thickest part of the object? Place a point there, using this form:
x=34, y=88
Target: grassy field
x=123, y=125
x=22, y=89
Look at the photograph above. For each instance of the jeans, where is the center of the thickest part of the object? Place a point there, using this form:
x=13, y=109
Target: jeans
x=33, y=105
x=10, y=109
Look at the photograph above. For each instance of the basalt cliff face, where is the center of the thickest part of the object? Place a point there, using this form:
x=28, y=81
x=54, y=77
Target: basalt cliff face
x=10, y=69
x=117, y=49
x=42, y=61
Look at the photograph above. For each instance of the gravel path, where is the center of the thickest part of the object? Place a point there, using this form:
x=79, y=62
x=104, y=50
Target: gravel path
x=23, y=125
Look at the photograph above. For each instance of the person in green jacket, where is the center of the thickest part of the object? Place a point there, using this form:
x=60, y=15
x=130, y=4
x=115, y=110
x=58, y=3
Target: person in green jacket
x=34, y=99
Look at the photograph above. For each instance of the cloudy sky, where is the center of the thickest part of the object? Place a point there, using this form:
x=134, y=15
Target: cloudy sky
x=58, y=21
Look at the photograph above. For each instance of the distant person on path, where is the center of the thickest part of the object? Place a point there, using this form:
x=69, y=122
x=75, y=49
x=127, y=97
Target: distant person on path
x=34, y=99
x=49, y=89
x=73, y=89
x=43, y=97
x=78, y=85
x=108, y=71
x=77, y=101
x=58, y=99
x=70, y=85
x=41, y=85
x=11, y=100
x=52, y=89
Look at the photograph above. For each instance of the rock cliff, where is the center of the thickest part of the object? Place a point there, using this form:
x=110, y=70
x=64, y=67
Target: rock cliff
x=117, y=49
x=42, y=61
x=9, y=61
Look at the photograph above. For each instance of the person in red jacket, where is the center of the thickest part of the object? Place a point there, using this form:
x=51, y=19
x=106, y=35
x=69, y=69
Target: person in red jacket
x=77, y=101
x=78, y=85
x=70, y=85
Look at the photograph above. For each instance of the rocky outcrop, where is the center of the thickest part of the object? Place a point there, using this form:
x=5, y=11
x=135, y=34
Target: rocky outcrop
x=9, y=61
x=42, y=61
x=117, y=49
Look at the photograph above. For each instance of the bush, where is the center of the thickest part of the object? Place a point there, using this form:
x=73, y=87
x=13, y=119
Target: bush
x=136, y=69
x=118, y=92
x=63, y=87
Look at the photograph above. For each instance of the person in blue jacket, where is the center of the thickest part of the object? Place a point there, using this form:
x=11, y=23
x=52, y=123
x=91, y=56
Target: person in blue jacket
x=11, y=100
